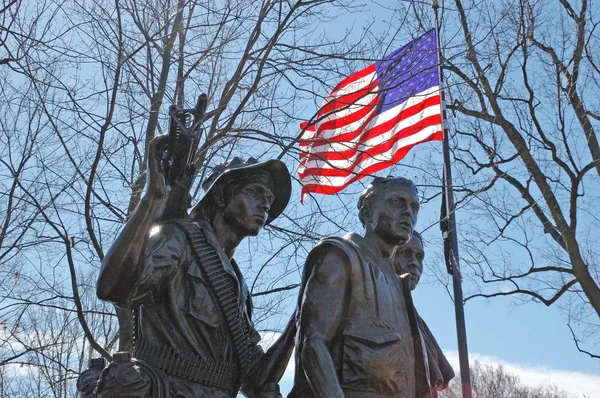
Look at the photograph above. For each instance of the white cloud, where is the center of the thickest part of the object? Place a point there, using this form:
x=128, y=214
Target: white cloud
x=577, y=384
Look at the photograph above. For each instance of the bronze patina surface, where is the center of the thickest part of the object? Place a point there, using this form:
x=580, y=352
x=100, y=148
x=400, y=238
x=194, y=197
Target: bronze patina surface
x=408, y=262
x=189, y=294
x=358, y=333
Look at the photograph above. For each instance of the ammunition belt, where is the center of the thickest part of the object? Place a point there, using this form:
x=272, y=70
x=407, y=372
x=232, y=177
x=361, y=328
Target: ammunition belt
x=188, y=366
x=221, y=284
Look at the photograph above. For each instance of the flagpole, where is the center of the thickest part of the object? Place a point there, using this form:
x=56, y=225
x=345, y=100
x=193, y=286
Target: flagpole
x=453, y=265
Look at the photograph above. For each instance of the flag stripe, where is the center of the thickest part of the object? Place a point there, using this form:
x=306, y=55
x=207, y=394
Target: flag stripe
x=347, y=133
x=357, y=98
x=345, y=158
x=372, y=119
x=378, y=127
x=325, y=167
x=332, y=185
x=349, y=125
x=353, y=82
x=348, y=115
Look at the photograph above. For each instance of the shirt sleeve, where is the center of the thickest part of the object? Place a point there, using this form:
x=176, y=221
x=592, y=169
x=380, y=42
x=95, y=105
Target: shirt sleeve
x=163, y=254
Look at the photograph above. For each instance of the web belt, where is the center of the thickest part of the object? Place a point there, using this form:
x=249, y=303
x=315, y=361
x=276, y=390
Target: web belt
x=189, y=366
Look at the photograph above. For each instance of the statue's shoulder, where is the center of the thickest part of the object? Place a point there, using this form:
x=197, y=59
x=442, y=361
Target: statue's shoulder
x=166, y=236
x=178, y=227
x=343, y=247
x=164, y=229
x=343, y=251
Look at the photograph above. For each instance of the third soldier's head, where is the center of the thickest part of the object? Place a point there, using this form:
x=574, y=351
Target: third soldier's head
x=408, y=259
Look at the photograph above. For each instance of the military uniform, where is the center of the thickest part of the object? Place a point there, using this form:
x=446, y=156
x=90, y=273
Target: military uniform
x=177, y=308
x=380, y=351
x=194, y=335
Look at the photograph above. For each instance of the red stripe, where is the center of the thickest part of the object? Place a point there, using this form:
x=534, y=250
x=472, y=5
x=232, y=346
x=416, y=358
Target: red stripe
x=305, y=125
x=399, y=155
x=343, y=172
x=343, y=137
x=405, y=114
x=354, y=77
x=351, y=118
x=346, y=100
x=382, y=147
x=375, y=131
x=336, y=124
x=349, y=80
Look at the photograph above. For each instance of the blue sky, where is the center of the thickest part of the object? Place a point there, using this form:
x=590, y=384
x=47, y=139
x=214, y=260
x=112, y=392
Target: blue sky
x=528, y=338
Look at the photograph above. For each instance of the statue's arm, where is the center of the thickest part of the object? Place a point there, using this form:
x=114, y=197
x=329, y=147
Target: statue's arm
x=440, y=370
x=269, y=368
x=321, y=318
x=120, y=266
x=273, y=363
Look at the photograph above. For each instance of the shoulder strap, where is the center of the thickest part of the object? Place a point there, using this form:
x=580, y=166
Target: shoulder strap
x=220, y=283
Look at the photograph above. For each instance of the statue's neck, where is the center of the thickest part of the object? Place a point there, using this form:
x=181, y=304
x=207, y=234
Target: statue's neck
x=227, y=236
x=382, y=247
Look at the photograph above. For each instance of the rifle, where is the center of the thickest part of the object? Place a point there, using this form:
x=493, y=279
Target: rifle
x=178, y=156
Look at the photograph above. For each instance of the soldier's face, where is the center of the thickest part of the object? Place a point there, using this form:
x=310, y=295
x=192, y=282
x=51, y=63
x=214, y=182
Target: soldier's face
x=408, y=259
x=394, y=213
x=248, y=210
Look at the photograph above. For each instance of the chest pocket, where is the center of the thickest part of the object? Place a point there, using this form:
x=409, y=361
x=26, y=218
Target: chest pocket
x=195, y=298
x=389, y=301
x=373, y=357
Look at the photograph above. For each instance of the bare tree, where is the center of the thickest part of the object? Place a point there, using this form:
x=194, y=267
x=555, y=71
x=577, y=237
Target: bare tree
x=490, y=381
x=522, y=82
x=85, y=86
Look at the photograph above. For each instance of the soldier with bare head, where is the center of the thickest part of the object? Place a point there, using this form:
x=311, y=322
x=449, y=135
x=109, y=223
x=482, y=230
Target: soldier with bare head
x=408, y=262
x=358, y=335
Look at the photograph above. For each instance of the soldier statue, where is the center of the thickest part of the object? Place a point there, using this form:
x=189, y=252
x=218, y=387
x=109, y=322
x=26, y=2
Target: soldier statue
x=358, y=333
x=194, y=335
x=408, y=262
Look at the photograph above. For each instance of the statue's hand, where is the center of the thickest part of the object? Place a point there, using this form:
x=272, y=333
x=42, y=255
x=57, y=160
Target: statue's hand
x=271, y=390
x=156, y=183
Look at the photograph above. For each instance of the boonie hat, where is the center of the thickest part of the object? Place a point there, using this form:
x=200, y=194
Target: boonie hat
x=276, y=169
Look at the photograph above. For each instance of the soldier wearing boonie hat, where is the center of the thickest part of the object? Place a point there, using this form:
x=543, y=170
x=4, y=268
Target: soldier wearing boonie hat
x=234, y=174
x=194, y=332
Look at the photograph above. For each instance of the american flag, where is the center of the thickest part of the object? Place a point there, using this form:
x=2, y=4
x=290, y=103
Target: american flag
x=372, y=118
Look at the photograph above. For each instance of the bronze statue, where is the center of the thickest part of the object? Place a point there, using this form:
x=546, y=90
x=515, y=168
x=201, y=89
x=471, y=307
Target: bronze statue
x=358, y=335
x=408, y=261
x=194, y=335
